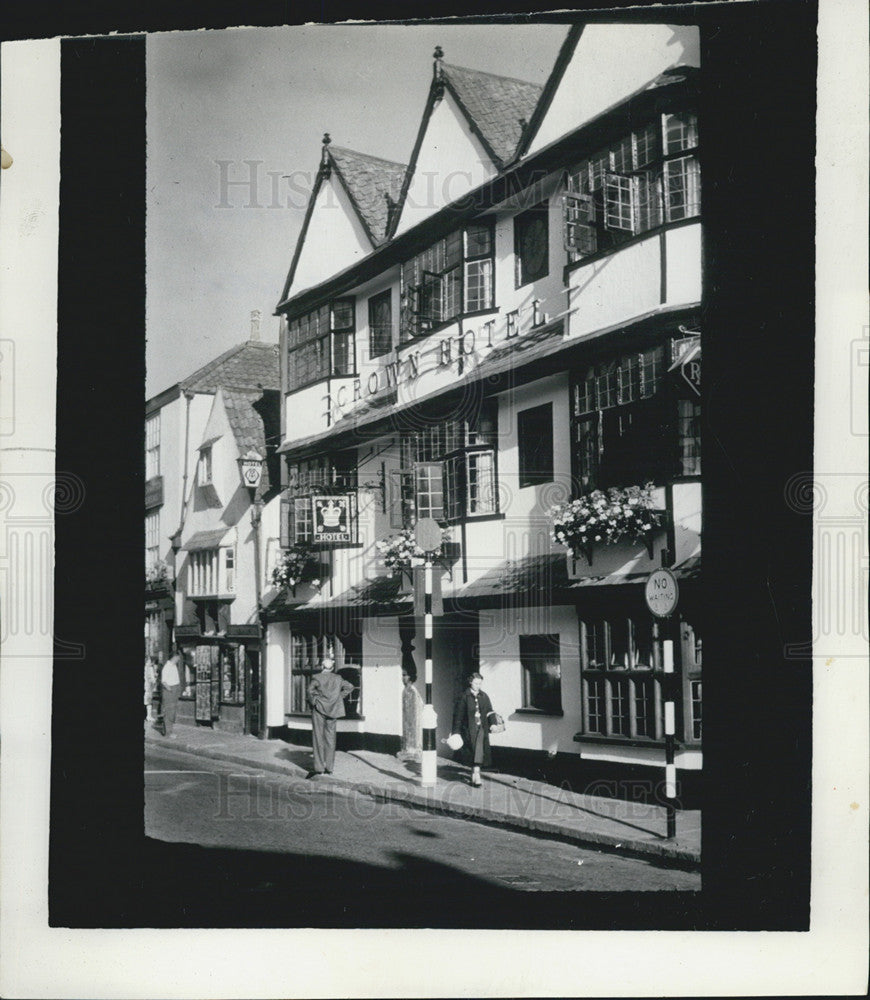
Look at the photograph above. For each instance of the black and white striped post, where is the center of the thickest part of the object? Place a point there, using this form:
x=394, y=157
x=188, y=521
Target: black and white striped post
x=427, y=534
x=662, y=595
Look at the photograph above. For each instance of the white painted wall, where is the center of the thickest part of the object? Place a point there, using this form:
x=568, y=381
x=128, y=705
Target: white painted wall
x=275, y=669
x=684, y=256
x=382, y=676
x=334, y=240
x=451, y=162
x=305, y=411
x=611, y=62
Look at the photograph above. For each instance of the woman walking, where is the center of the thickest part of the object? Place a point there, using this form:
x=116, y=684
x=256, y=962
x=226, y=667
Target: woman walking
x=471, y=721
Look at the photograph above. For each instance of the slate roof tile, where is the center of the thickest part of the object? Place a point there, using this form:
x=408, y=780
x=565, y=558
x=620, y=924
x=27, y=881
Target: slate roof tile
x=368, y=179
x=252, y=365
x=495, y=104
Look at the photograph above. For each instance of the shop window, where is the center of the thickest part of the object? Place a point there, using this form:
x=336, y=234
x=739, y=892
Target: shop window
x=535, y=442
x=532, y=245
x=542, y=673
x=621, y=687
x=232, y=672
x=452, y=277
x=321, y=343
x=380, y=324
x=188, y=672
x=307, y=650
x=152, y=446
x=648, y=177
x=448, y=472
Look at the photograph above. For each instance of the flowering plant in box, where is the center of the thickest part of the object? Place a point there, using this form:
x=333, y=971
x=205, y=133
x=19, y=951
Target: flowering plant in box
x=397, y=551
x=156, y=575
x=606, y=517
x=295, y=565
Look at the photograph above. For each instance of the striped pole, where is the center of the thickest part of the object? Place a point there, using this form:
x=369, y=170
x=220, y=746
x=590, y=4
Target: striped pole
x=670, y=768
x=429, y=766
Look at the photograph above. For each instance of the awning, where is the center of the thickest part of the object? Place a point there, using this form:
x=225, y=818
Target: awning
x=377, y=596
x=205, y=540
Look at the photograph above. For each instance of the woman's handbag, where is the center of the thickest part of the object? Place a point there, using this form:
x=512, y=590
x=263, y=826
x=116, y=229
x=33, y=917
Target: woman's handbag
x=496, y=722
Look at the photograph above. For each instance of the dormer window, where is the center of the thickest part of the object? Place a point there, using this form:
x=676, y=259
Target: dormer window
x=452, y=278
x=321, y=344
x=204, y=474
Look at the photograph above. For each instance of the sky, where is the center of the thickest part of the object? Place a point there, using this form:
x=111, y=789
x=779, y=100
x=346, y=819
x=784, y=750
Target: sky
x=217, y=99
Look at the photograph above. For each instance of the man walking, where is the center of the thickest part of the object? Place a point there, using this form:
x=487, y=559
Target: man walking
x=170, y=682
x=326, y=694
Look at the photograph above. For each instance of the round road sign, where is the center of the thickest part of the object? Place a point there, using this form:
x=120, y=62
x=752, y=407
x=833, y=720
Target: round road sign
x=427, y=534
x=662, y=593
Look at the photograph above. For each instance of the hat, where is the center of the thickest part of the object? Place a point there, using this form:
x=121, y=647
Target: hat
x=454, y=741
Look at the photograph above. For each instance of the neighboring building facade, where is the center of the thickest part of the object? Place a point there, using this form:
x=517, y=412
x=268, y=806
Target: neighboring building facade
x=487, y=349
x=201, y=584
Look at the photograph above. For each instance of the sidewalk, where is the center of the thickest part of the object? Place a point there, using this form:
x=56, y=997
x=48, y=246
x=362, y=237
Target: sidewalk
x=630, y=827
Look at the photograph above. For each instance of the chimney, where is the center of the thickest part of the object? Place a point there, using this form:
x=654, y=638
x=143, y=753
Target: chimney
x=255, y=324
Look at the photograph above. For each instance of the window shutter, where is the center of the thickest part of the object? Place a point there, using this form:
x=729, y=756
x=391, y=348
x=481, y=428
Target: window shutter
x=578, y=233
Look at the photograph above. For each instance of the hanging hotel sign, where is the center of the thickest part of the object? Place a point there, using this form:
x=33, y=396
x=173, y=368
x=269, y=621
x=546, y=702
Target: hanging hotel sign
x=662, y=593
x=332, y=520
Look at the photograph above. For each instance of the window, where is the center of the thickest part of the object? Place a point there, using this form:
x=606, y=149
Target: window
x=647, y=178
x=452, y=277
x=532, y=245
x=691, y=649
x=448, y=472
x=535, y=442
x=307, y=650
x=232, y=668
x=188, y=672
x=211, y=571
x=152, y=446
x=542, y=673
x=621, y=686
x=152, y=538
x=380, y=324
x=204, y=476
x=624, y=426
x=321, y=344
x=689, y=420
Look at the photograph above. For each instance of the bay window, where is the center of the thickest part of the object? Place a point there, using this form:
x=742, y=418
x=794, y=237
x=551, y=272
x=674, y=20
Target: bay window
x=321, y=344
x=211, y=571
x=322, y=474
x=152, y=446
x=646, y=179
x=451, y=278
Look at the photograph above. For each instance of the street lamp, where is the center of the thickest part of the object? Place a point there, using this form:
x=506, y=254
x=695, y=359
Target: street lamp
x=251, y=471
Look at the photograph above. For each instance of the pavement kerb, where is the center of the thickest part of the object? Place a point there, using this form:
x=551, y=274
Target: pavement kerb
x=423, y=799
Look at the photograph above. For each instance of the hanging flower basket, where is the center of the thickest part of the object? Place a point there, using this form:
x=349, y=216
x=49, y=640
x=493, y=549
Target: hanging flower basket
x=398, y=551
x=298, y=564
x=604, y=518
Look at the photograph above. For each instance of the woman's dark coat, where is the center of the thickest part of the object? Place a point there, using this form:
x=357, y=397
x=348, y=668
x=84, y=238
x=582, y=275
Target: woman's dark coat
x=463, y=720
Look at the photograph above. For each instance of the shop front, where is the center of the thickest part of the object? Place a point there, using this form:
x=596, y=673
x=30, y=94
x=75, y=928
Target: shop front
x=221, y=683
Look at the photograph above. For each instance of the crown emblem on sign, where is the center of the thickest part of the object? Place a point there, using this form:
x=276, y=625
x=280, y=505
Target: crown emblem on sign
x=331, y=514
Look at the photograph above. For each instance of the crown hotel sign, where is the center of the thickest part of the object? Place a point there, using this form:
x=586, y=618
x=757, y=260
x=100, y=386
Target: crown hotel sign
x=332, y=520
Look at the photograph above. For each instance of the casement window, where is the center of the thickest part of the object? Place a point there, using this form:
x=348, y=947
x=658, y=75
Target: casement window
x=204, y=474
x=307, y=650
x=452, y=277
x=542, y=673
x=448, y=472
x=152, y=446
x=535, y=445
x=646, y=179
x=152, y=538
x=321, y=344
x=380, y=324
x=532, y=244
x=211, y=571
x=626, y=429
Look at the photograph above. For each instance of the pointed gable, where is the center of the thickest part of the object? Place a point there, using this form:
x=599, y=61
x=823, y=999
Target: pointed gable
x=601, y=65
x=373, y=185
x=471, y=128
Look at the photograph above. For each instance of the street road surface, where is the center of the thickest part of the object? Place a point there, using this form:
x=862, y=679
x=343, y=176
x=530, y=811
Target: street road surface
x=194, y=800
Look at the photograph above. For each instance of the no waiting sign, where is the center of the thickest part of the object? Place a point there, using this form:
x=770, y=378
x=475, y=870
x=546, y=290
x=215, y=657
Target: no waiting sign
x=662, y=593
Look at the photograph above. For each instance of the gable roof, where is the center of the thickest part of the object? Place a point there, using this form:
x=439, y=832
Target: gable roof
x=368, y=180
x=494, y=106
x=248, y=426
x=252, y=365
